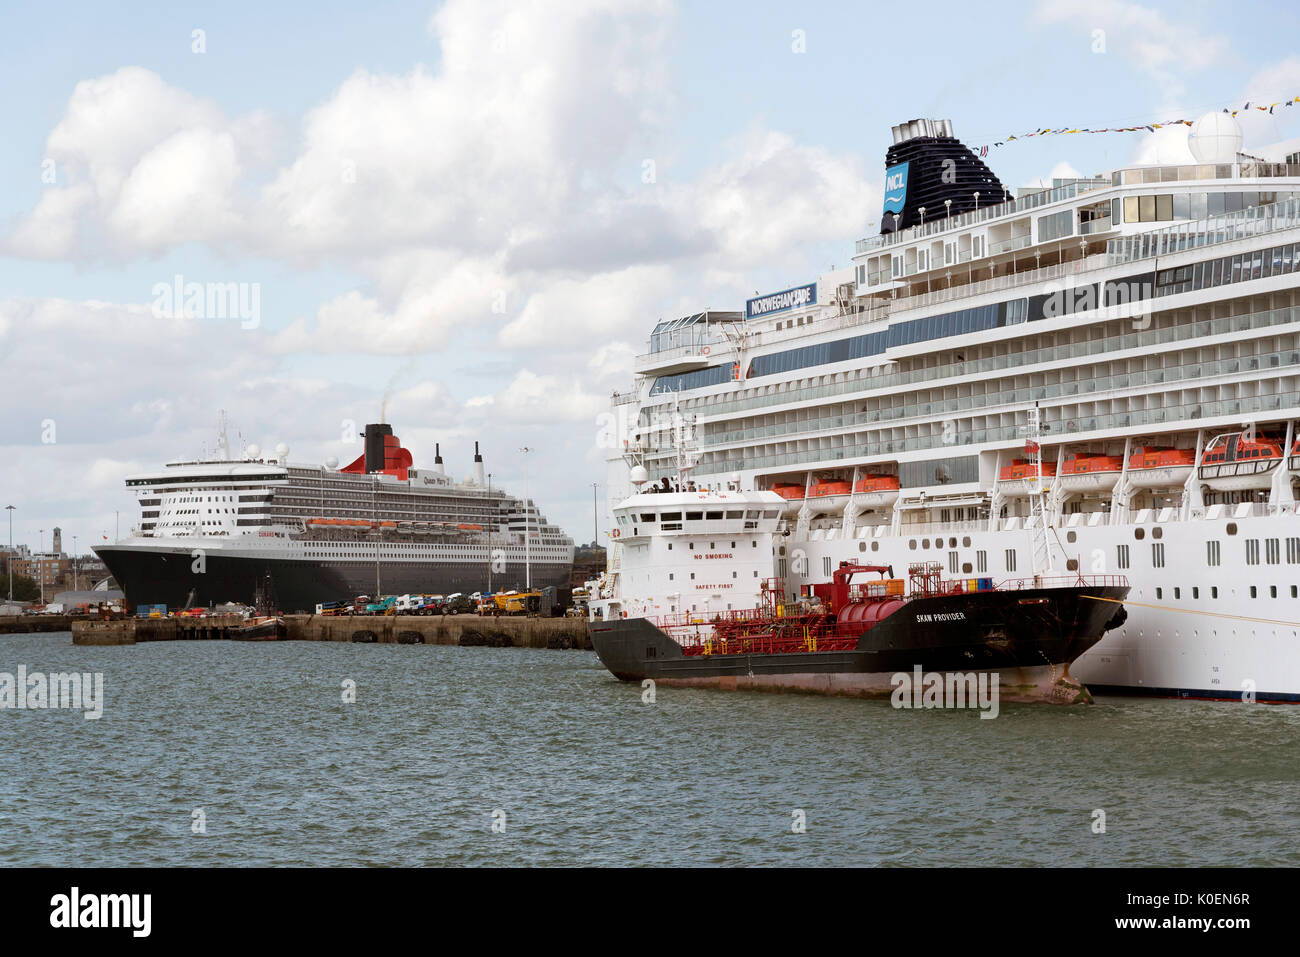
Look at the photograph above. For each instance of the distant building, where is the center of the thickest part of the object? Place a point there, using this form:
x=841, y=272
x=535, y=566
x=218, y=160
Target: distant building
x=71, y=599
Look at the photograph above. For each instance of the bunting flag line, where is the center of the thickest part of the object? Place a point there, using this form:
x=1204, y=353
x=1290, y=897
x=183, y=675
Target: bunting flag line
x=1141, y=128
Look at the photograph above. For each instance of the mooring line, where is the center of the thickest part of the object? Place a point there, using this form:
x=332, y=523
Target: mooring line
x=1195, y=611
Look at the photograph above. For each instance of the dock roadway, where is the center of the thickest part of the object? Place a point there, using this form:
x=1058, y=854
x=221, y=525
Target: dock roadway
x=463, y=630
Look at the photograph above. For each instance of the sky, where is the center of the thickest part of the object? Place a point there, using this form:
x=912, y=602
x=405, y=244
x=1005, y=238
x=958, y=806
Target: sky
x=468, y=216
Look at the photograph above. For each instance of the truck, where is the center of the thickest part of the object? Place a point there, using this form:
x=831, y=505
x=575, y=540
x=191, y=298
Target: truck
x=385, y=606
x=330, y=608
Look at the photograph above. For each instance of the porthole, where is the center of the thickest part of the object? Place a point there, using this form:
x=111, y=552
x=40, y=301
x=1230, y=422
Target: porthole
x=1139, y=533
x=1157, y=532
x=965, y=542
x=938, y=543
x=925, y=544
x=1232, y=528
x=912, y=544
x=1072, y=565
x=875, y=547
x=1071, y=536
x=862, y=546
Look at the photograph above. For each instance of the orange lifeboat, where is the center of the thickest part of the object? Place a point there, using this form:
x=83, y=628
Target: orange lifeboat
x=1154, y=467
x=1021, y=469
x=824, y=489
x=789, y=492
x=876, y=490
x=1088, y=473
x=1239, y=460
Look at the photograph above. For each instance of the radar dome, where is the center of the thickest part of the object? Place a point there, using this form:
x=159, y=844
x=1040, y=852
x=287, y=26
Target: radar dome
x=735, y=479
x=331, y=463
x=282, y=450
x=254, y=450
x=1215, y=138
x=639, y=475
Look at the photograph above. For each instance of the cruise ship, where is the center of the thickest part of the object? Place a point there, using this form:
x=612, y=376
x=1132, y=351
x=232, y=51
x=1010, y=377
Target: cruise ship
x=258, y=528
x=1097, y=378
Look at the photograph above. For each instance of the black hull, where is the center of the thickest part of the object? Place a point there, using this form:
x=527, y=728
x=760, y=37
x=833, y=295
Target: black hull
x=1030, y=636
x=162, y=576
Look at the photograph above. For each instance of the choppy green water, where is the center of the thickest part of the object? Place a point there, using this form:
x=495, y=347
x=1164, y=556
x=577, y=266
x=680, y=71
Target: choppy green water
x=257, y=736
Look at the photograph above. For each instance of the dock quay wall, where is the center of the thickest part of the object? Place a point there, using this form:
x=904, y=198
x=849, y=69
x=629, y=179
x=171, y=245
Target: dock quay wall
x=463, y=630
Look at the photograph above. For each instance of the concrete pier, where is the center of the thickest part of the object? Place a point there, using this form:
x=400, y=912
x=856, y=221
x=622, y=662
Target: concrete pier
x=463, y=630
x=34, y=624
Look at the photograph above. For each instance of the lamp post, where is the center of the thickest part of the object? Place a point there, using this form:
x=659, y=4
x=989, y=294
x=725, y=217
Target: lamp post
x=40, y=563
x=595, y=522
x=489, y=533
x=10, y=553
x=947, y=206
x=74, y=562
x=528, y=527
x=977, y=201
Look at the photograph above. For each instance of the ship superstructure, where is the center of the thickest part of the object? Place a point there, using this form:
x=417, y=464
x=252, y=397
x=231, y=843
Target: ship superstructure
x=220, y=529
x=1101, y=377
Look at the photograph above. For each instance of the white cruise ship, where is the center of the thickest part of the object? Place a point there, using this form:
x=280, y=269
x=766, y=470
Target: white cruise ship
x=259, y=527
x=1102, y=377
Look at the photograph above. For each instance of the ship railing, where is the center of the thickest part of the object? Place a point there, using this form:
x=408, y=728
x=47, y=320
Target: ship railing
x=1063, y=581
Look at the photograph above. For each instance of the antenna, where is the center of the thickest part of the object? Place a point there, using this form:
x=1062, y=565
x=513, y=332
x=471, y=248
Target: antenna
x=223, y=442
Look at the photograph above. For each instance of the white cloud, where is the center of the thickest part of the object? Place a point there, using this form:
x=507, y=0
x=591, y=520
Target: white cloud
x=1161, y=48
x=489, y=209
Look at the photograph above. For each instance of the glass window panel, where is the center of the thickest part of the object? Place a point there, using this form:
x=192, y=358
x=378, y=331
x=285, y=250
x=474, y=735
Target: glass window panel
x=1146, y=209
x=1164, y=207
x=1130, y=209
x=1198, y=207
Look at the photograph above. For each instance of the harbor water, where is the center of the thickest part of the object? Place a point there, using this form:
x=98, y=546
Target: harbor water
x=230, y=754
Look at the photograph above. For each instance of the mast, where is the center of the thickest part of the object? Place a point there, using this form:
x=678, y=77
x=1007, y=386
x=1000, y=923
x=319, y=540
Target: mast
x=223, y=442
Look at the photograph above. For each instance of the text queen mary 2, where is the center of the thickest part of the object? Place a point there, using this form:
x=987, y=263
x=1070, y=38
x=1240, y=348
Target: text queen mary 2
x=692, y=601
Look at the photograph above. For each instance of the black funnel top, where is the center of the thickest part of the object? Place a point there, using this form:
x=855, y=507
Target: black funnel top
x=938, y=167
x=375, y=433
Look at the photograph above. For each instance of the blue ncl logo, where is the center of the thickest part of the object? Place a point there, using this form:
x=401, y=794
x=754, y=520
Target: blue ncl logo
x=895, y=188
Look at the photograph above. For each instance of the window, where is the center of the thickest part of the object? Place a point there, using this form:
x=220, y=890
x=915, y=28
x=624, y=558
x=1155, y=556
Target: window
x=1011, y=559
x=981, y=561
x=1272, y=551
x=952, y=562
x=1157, y=554
x=1121, y=556
x=1252, y=552
x=1212, y=553
x=826, y=566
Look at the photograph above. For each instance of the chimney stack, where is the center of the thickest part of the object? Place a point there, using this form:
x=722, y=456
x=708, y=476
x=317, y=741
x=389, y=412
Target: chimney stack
x=437, y=459
x=478, y=468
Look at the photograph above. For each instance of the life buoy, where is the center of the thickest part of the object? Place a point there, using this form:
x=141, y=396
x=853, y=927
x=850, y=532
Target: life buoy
x=704, y=351
x=615, y=533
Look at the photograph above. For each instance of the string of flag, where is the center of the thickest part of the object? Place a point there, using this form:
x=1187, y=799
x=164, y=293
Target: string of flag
x=1140, y=128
